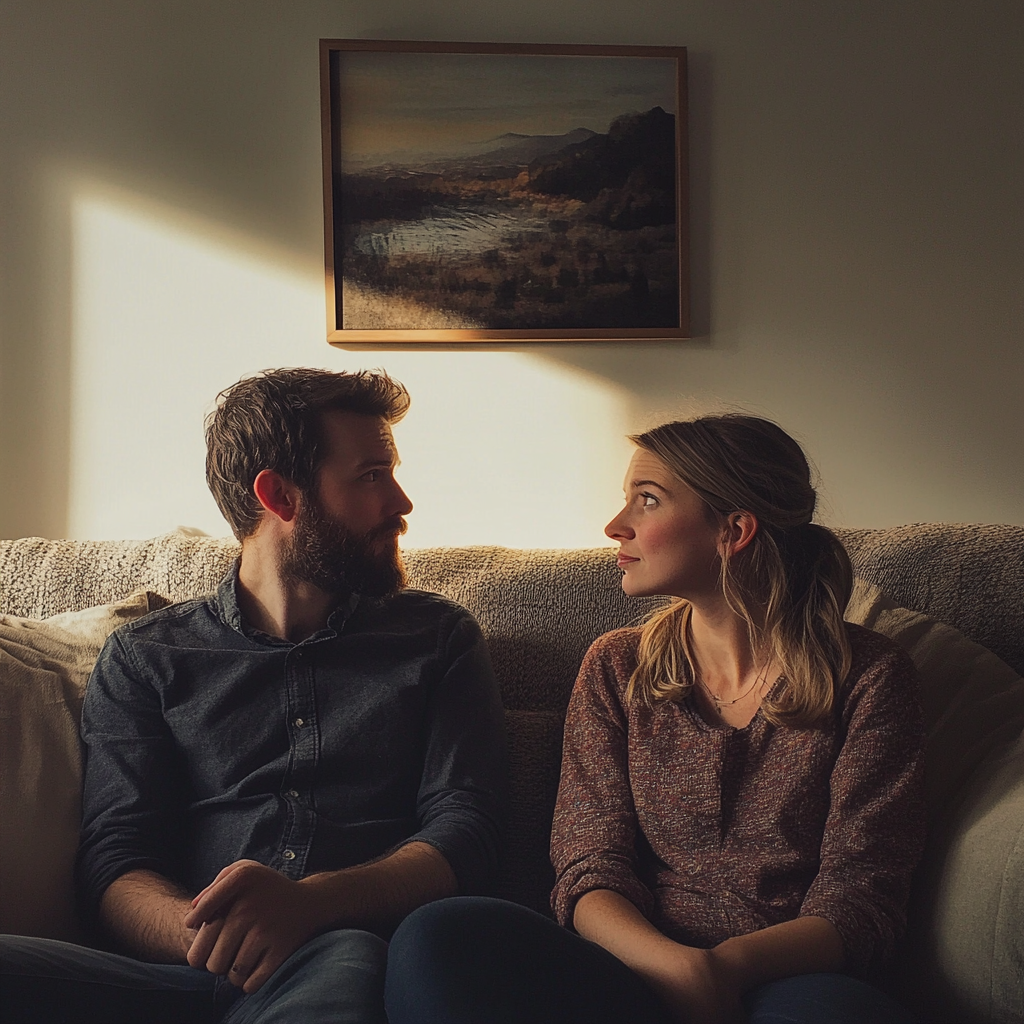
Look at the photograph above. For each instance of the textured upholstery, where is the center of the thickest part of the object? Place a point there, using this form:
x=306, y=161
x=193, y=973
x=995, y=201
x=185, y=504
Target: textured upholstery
x=39, y=578
x=970, y=577
x=541, y=609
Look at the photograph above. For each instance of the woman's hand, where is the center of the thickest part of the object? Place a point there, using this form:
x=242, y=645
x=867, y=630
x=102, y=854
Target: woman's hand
x=694, y=985
x=704, y=986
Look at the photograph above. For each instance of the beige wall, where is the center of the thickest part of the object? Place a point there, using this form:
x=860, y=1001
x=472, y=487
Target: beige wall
x=856, y=213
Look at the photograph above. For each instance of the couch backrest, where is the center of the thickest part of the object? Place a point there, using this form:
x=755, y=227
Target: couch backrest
x=970, y=576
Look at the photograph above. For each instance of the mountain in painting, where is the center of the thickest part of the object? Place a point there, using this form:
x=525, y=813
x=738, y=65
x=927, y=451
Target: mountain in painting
x=524, y=149
x=627, y=176
x=509, y=150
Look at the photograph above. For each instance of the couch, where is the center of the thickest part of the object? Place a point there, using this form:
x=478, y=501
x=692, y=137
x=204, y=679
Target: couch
x=953, y=595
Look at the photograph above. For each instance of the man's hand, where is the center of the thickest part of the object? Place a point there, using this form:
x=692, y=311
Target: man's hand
x=250, y=920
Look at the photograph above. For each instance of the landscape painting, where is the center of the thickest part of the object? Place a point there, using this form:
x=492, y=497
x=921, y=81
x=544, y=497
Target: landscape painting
x=488, y=192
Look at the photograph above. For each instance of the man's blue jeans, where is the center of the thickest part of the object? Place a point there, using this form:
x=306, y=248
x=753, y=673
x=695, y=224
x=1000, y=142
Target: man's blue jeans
x=473, y=960
x=336, y=978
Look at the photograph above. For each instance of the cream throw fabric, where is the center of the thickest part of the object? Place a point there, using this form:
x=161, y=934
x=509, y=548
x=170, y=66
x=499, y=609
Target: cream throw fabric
x=973, y=701
x=44, y=666
x=966, y=936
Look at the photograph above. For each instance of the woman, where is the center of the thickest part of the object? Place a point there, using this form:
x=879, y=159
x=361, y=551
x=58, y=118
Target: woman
x=740, y=808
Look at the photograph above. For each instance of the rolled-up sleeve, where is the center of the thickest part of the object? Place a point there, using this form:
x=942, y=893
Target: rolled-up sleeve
x=593, y=837
x=208, y=742
x=874, y=833
x=133, y=786
x=463, y=794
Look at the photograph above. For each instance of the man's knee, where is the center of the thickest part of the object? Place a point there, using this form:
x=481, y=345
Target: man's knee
x=336, y=977
x=358, y=957
x=348, y=948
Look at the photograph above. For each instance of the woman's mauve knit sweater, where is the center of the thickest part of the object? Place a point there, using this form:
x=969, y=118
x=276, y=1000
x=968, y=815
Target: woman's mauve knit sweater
x=713, y=832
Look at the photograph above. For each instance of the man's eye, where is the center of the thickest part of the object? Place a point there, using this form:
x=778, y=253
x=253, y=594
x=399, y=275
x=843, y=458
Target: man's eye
x=372, y=477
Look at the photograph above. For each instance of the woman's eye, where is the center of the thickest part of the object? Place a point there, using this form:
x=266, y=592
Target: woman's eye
x=649, y=500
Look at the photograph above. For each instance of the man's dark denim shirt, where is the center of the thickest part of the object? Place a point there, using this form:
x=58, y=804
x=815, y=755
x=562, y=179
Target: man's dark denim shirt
x=209, y=741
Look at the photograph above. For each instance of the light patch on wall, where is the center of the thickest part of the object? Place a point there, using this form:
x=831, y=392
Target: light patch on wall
x=502, y=448
x=499, y=448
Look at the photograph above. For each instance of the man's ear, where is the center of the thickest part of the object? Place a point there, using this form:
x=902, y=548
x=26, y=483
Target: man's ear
x=280, y=497
x=739, y=530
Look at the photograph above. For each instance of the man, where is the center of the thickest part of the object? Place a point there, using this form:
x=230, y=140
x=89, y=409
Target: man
x=278, y=773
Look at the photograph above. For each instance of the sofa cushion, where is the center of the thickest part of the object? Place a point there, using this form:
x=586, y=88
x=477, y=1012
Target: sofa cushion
x=535, y=759
x=965, y=940
x=44, y=666
x=539, y=611
x=973, y=701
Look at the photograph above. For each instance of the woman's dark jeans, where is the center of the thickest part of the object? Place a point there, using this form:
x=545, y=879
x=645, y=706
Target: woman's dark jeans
x=469, y=959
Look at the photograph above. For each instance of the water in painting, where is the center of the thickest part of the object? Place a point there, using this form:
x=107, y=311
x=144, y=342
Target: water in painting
x=506, y=192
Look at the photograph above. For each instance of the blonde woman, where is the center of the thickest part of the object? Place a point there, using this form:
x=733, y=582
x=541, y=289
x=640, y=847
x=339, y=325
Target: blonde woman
x=740, y=808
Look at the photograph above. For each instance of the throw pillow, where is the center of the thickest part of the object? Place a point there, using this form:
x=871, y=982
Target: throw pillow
x=44, y=666
x=973, y=701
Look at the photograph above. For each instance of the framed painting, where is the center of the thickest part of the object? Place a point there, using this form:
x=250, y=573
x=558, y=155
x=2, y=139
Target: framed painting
x=480, y=192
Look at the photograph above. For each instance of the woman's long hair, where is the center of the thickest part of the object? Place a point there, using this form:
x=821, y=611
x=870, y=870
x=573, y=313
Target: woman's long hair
x=791, y=584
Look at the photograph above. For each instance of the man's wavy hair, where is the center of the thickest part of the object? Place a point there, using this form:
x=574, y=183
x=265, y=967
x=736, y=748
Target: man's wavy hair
x=274, y=420
x=791, y=584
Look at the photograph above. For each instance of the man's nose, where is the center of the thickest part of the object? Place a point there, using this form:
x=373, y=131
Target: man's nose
x=402, y=502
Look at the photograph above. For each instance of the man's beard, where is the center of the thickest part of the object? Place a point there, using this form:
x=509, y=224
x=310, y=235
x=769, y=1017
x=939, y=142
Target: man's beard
x=326, y=554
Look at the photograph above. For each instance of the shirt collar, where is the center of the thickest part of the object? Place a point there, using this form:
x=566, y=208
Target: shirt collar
x=226, y=601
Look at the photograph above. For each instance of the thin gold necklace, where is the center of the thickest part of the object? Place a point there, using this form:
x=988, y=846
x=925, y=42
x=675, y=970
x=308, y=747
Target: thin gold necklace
x=760, y=678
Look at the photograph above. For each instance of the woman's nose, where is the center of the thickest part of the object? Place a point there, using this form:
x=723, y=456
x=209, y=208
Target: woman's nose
x=617, y=528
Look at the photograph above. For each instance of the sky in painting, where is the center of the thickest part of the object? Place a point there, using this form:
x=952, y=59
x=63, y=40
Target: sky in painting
x=403, y=108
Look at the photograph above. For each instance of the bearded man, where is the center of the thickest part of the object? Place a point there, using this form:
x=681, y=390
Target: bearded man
x=278, y=773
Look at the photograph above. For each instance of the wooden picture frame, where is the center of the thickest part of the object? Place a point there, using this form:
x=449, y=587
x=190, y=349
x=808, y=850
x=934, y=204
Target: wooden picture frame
x=484, y=192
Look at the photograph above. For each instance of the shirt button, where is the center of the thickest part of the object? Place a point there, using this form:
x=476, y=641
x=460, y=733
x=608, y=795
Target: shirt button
x=293, y=793
x=288, y=855
x=299, y=723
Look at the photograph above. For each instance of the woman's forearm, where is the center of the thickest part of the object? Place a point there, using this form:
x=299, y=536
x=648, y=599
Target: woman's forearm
x=611, y=921
x=689, y=981
x=805, y=945
x=706, y=984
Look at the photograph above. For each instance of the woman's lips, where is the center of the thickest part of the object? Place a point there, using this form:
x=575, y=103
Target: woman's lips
x=623, y=560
